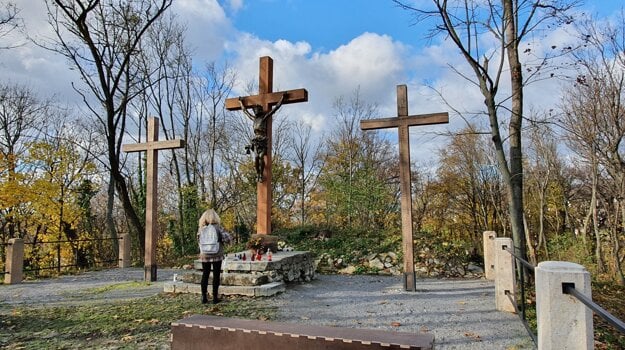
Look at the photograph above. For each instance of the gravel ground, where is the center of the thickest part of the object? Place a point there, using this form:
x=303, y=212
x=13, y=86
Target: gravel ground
x=71, y=289
x=460, y=313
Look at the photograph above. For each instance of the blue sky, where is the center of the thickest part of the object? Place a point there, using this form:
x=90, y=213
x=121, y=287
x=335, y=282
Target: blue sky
x=330, y=47
x=325, y=24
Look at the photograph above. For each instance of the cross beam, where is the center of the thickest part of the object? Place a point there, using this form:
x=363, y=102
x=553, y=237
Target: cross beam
x=266, y=98
x=403, y=121
x=152, y=146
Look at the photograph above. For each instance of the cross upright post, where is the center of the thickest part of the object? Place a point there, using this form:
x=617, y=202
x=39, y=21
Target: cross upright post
x=266, y=99
x=402, y=122
x=151, y=194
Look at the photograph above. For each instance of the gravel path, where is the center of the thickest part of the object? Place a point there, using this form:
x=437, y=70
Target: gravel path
x=74, y=288
x=460, y=313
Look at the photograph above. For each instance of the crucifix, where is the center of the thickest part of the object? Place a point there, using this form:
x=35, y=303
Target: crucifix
x=263, y=106
x=151, y=195
x=403, y=121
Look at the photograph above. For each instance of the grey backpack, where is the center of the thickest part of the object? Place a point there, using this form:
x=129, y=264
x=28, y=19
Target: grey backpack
x=209, y=240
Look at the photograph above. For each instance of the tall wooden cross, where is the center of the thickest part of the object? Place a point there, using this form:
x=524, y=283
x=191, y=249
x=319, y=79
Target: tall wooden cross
x=151, y=204
x=403, y=121
x=266, y=99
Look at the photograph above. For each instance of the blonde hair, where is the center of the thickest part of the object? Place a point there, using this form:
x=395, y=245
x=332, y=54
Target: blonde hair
x=209, y=217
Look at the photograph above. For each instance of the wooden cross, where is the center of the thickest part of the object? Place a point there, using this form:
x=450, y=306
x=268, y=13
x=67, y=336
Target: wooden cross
x=151, y=208
x=266, y=98
x=403, y=121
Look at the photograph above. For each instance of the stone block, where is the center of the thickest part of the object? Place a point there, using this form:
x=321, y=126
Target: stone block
x=264, y=290
x=563, y=321
x=505, y=279
x=489, y=254
x=14, y=263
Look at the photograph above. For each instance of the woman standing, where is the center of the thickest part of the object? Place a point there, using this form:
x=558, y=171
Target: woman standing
x=212, y=260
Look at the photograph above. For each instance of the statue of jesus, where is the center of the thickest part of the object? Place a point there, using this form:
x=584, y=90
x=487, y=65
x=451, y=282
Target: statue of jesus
x=259, y=142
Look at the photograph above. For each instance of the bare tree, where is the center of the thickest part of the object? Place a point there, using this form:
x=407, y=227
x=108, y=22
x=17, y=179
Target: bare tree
x=593, y=118
x=509, y=22
x=308, y=162
x=100, y=39
x=543, y=170
x=9, y=21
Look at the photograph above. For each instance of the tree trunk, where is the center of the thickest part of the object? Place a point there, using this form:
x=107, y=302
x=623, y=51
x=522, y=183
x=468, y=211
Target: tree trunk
x=530, y=246
x=617, y=249
x=542, y=240
x=516, y=118
x=110, y=221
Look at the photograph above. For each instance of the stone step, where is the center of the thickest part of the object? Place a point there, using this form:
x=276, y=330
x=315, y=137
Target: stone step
x=280, y=260
x=227, y=278
x=265, y=290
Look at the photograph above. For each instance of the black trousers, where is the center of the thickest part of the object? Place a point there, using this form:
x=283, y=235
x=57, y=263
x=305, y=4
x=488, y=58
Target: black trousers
x=206, y=270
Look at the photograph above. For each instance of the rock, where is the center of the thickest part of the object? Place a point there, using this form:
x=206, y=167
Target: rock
x=458, y=271
x=349, y=270
x=474, y=268
x=376, y=264
x=395, y=271
x=187, y=267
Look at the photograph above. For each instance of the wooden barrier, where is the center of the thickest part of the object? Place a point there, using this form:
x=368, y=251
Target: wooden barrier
x=212, y=332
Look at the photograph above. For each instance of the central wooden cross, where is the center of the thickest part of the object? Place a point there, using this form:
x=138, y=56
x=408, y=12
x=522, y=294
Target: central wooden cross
x=266, y=99
x=403, y=121
x=151, y=194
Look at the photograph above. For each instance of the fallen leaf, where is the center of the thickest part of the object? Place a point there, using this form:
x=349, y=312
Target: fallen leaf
x=473, y=336
x=153, y=321
x=139, y=320
x=424, y=329
x=395, y=324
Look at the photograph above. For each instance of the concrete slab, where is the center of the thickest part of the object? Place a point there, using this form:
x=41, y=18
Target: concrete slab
x=265, y=290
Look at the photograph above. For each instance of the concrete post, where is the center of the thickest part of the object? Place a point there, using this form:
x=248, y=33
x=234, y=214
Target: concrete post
x=124, y=251
x=489, y=254
x=505, y=281
x=563, y=321
x=14, y=261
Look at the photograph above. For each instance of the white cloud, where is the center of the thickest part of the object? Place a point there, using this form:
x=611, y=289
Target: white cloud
x=371, y=62
x=208, y=27
x=235, y=5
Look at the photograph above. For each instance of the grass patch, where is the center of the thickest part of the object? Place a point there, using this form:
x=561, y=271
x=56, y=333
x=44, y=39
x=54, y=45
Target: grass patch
x=119, y=286
x=137, y=324
x=612, y=298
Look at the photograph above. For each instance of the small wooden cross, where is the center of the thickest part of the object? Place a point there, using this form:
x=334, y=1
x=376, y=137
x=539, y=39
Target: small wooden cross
x=266, y=98
x=151, y=206
x=403, y=121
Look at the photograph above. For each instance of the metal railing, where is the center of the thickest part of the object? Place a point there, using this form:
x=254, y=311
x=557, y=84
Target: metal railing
x=569, y=288
x=92, y=263
x=522, y=311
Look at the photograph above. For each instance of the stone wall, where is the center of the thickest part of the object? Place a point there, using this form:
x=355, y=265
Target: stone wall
x=390, y=264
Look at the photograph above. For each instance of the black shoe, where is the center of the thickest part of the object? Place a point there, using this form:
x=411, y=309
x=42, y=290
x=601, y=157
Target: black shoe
x=204, y=299
x=216, y=301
